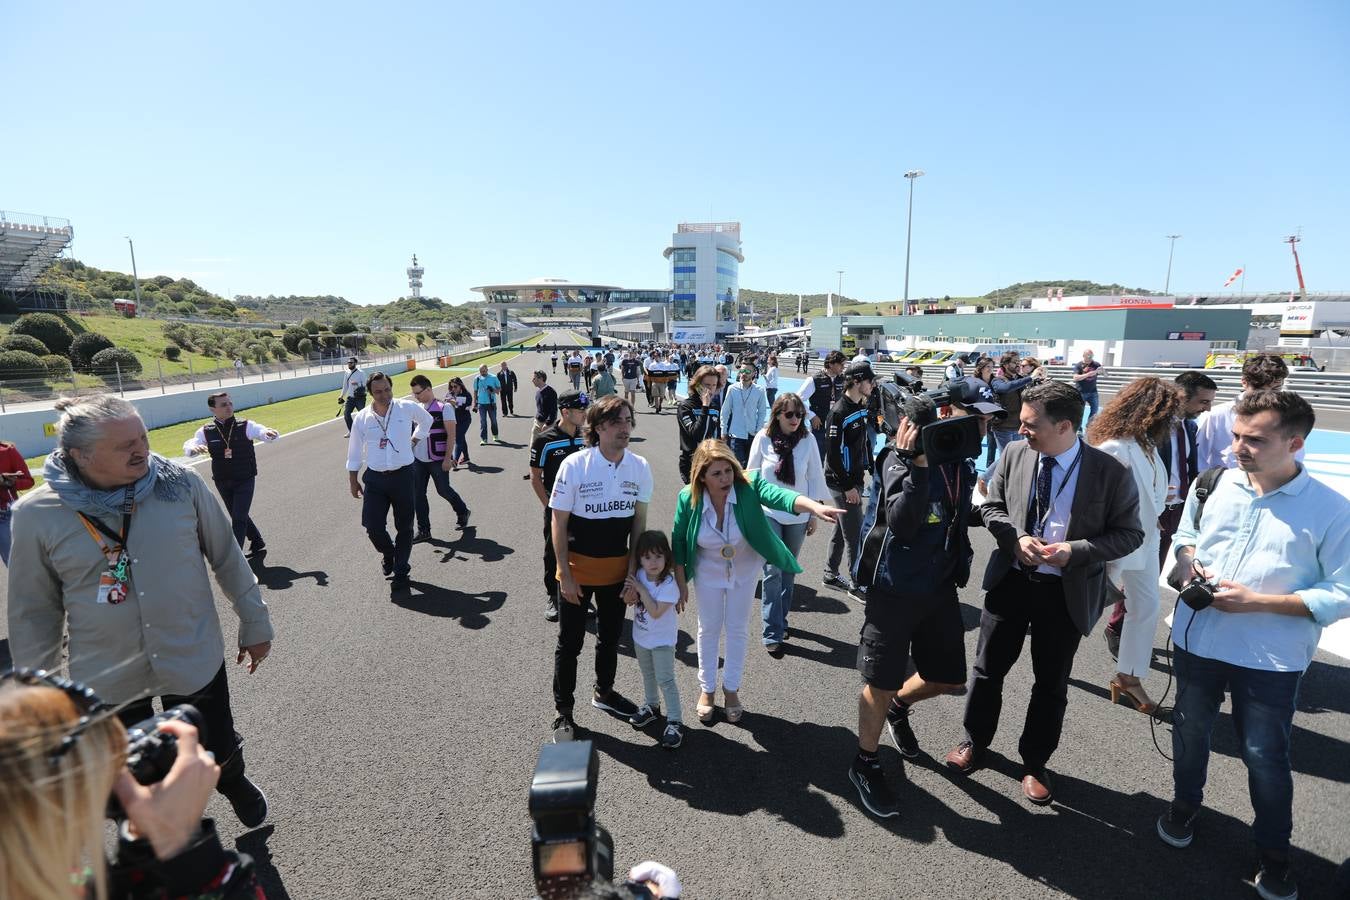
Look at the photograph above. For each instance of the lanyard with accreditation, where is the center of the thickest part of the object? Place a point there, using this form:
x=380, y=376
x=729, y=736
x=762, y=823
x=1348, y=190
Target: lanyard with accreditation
x=112, y=583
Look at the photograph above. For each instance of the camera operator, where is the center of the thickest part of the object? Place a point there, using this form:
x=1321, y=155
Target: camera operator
x=1278, y=543
x=917, y=521
x=62, y=755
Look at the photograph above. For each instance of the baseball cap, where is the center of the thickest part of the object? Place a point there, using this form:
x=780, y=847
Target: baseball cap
x=859, y=371
x=976, y=396
x=573, y=399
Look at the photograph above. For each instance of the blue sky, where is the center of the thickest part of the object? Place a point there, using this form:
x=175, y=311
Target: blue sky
x=310, y=149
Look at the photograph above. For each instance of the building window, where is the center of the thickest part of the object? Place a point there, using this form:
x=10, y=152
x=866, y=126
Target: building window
x=728, y=286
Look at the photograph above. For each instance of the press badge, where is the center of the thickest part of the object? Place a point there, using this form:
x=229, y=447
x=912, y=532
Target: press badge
x=111, y=591
x=935, y=513
x=384, y=443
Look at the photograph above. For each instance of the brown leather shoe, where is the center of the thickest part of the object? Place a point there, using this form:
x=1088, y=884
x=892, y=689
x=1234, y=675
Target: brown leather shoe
x=1036, y=788
x=963, y=757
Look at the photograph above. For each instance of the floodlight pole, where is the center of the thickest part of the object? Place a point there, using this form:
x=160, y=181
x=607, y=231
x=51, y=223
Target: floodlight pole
x=1167, y=285
x=909, y=230
x=135, y=279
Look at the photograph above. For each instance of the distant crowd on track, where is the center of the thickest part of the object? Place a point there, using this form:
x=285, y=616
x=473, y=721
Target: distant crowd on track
x=1159, y=485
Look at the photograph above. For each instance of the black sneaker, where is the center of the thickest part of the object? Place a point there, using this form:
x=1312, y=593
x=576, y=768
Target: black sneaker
x=673, y=736
x=1177, y=826
x=249, y=803
x=258, y=549
x=387, y=564
x=873, y=791
x=1275, y=880
x=832, y=579
x=421, y=537
x=551, y=610
x=463, y=521
x=857, y=592
x=644, y=716
x=614, y=703
x=902, y=734
x=401, y=585
x=564, y=729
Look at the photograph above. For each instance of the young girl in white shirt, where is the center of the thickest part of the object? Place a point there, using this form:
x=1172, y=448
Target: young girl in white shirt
x=654, y=634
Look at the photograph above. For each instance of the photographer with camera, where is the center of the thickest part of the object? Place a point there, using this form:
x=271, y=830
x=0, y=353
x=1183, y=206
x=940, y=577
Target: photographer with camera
x=916, y=553
x=116, y=554
x=63, y=754
x=848, y=460
x=1262, y=572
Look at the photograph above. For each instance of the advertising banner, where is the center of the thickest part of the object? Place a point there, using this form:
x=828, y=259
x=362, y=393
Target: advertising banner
x=690, y=334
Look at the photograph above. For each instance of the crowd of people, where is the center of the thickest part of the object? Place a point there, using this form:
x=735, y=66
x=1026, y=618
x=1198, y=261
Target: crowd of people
x=1086, y=512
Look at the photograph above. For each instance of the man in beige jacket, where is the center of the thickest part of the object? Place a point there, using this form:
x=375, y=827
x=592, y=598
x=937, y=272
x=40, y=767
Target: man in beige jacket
x=116, y=552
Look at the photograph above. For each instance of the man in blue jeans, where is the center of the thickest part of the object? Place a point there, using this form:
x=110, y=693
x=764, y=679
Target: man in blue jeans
x=1277, y=543
x=485, y=390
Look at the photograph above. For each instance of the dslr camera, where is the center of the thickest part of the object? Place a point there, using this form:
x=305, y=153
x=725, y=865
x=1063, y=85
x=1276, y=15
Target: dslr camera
x=151, y=752
x=573, y=854
x=1198, y=593
x=946, y=440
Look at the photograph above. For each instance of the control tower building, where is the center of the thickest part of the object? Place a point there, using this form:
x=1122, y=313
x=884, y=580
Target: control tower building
x=415, y=278
x=705, y=260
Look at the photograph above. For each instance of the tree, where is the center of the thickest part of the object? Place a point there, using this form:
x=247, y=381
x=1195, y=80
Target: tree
x=57, y=365
x=83, y=348
x=311, y=326
x=304, y=347
x=420, y=338
x=173, y=352
x=344, y=326
x=54, y=334
x=292, y=337
x=107, y=363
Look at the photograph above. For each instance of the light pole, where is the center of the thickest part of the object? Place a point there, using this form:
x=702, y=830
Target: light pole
x=841, y=284
x=135, y=279
x=911, y=175
x=1167, y=285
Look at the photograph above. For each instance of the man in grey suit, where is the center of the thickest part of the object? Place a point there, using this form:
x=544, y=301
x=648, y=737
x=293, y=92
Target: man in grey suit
x=1060, y=510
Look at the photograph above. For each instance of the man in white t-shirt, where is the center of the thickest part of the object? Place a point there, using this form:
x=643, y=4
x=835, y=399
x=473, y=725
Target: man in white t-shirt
x=599, y=504
x=1214, y=429
x=353, y=396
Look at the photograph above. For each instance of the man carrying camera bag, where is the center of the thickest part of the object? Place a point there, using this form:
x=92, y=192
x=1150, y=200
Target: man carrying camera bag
x=1265, y=570
x=915, y=553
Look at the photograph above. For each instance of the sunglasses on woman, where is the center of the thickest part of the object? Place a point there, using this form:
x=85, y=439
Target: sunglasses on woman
x=792, y=414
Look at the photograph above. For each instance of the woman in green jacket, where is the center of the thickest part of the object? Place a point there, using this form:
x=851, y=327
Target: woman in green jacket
x=721, y=542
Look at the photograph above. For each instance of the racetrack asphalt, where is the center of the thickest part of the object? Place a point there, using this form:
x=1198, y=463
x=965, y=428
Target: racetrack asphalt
x=396, y=740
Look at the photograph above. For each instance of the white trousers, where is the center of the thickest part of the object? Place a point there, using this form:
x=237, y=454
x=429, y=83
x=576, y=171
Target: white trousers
x=1142, y=602
x=723, y=609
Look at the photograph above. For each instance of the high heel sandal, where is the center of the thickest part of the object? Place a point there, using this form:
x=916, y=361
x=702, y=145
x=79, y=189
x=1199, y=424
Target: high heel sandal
x=1133, y=696
x=705, y=713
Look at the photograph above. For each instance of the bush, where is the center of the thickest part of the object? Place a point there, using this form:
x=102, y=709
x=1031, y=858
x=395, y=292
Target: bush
x=311, y=326
x=57, y=365
x=279, y=352
x=173, y=352
x=304, y=347
x=344, y=326
x=292, y=336
x=55, y=335
x=17, y=365
x=84, y=348
x=25, y=342
x=106, y=363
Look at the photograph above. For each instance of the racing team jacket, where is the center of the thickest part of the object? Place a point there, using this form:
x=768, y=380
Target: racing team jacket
x=848, y=454
x=697, y=423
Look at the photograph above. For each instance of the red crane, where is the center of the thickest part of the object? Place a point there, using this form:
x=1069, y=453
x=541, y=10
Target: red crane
x=1292, y=241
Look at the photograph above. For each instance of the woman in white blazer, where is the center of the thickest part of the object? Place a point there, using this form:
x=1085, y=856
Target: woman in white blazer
x=1130, y=428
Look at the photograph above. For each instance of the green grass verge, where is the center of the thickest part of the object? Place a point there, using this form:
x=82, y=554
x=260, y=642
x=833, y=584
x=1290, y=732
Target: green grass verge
x=292, y=415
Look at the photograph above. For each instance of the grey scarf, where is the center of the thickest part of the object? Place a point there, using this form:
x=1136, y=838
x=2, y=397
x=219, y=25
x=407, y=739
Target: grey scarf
x=166, y=480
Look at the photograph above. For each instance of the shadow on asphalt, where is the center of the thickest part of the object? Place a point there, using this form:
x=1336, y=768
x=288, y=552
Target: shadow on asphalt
x=254, y=843
x=1092, y=841
x=831, y=652
x=476, y=469
x=280, y=578
x=6, y=659
x=434, y=600
x=716, y=774
x=469, y=543
x=806, y=599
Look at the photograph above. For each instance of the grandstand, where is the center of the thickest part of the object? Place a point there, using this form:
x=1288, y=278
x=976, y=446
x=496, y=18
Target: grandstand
x=28, y=246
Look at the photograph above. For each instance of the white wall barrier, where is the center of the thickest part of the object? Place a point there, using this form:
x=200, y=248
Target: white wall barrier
x=32, y=431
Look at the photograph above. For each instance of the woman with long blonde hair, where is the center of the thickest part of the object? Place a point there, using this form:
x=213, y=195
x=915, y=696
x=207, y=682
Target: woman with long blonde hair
x=62, y=755
x=1130, y=428
x=721, y=541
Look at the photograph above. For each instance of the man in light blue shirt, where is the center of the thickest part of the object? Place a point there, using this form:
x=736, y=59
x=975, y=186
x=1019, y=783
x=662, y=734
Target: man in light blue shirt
x=1277, y=542
x=744, y=412
x=485, y=390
